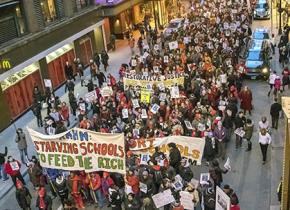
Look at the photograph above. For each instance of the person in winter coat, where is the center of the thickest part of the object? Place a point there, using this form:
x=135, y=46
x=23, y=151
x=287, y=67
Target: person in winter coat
x=209, y=199
x=133, y=181
x=69, y=71
x=74, y=186
x=195, y=196
x=96, y=187
x=230, y=192
x=210, y=146
x=275, y=110
x=106, y=182
x=69, y=86
x=174, y=156
x=3, y=174
x=43, y=201
x=23, y=196
x=219, y=135
x=277, y=85
x=73, y=102
x=115, y=198
x=216, y=173
x=185, y=171
x=22, y=144
x=264, y=141
x=146, y=184
x=12, y=167
x=64, y=112
x=246, y=99
x=240, y=121
x=61, y=188
x=249, y=128
x=35, y=173
x=105, y=59
x=132, y=202
x=101, y=78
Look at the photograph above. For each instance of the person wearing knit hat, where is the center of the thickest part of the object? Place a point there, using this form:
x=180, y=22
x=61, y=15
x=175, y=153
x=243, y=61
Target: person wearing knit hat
x=43, y=201
x=23, y=196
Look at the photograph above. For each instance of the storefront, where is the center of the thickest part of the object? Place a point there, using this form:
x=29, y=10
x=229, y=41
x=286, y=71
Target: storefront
x=18, y=89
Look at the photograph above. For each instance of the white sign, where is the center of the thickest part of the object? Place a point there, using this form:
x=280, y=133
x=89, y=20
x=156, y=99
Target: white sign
x=125, y=113
x=178, y=185
x=14, y=166
x=188, y=125
x=173, y=45
x=155, y=69
x=227, y=164
x=222, y=200
x=106, y=91
x=204, y=178
x=162, y=96
x=156, y=47
x=144, y=114
x=133, y=62
x=163, y=198
x=166, y=59
x=47, y=83
x=240, y=132
x=144, y=159
x=174, y=92
x=143, y=187
x=135, y=103
x=186, y=200
x=155, y=108
x=91, y=96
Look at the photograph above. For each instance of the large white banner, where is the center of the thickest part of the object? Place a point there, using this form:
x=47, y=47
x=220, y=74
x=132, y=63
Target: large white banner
x=189, y=147
x=79, y=149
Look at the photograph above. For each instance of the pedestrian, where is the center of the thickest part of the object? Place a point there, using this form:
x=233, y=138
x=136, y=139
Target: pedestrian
x=37, y=94
x=285, y=78
x=93, y=69
x=69, y=86
x=115, y=198
x=3, y=174
x=23, y=196
x=96, y=187
x=97, y=60
x=12, y=168
x=271, y=81
x=216, y=173
x=61, y=188
x=174, y=156
x=146, y=184
x=132, y=202
x=105, y=59
x=113, y=41
x=101, y=78
x=21, y=144
x=193, y=192
x=68, y=70
x=277, y=85
x=240, y=121
x=131, y=43
x=43, y=201
x=64, y=112
x=36, y=109
x=73, y=103
x=35, y=174
x=264, y=141
x=220, y=134
x=140, y=46
x=74, y=186
x=275, y=110
x=246, y=99
x=249, y=128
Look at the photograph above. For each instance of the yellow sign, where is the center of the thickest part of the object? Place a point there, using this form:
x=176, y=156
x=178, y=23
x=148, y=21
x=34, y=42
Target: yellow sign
x=145, y=96
x=5, y=64
x=171, y=80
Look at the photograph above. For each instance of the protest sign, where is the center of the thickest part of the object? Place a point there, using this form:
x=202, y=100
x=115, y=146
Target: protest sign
x=204, y=178
x=145, y=55
x=125, y=113
x=142, y=80
x=240, y=132
x=145, y=96
x=163, y=198
x=189, y=147
x=222, y=200
x=186, y=200
x=174, y=92
x=188, y=125
x=227, y=164
x=47, y=83
x=91, y=96
x=178, y=185
x=143, y=187
x=133, y=62
x=155, y=69
x=106, y=91
x=135, y=103
x=155, y=108
x=162, y=96
x=144, y=159
x=144, y=114
x=78, y=149
x=166, y=59
x=173, y=45
x=156, y=47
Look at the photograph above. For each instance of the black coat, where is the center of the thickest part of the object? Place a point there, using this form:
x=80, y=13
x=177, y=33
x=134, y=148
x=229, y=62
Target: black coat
x=132, y=205
x=47, y=200
x=174, y=157
x=23, y=198
x=275, y=109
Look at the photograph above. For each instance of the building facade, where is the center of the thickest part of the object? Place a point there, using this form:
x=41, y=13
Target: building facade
x=37, y=38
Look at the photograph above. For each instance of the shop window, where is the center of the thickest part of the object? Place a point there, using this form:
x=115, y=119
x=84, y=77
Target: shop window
x=48, y=10
x=80, y=4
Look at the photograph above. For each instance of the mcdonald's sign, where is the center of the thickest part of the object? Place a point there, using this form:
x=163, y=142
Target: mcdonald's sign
x=5, y=64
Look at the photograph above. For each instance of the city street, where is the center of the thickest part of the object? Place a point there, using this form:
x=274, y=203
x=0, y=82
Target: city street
x=254, y=183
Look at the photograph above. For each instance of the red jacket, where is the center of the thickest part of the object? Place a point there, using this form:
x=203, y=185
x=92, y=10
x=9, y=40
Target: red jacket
x=133, y=181
x=95, y=182
x=64, y=112
x=9, y=170
x=235, y=207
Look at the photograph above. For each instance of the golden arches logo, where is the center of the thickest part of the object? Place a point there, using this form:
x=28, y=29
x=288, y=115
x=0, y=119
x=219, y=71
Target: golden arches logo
x=5, y=64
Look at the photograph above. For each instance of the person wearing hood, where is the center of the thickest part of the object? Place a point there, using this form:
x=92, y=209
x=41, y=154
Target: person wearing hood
x=43, y=201
x=115, y=198
x=61, y=188
x=23, y=196
x=12, y=167
x=132, y=202
x=233, y=196
x=195, y=196
x=249, y=127
x=174, y=156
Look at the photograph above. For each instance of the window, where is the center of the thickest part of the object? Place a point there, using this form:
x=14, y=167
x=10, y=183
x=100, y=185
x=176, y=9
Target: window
x=80, y=4
x=48, y=10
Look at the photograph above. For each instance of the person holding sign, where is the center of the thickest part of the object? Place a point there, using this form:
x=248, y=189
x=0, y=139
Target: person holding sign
x=12, y=168
x=194, y=193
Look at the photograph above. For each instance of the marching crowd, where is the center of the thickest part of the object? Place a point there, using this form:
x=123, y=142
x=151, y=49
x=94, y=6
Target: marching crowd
x=213, y=104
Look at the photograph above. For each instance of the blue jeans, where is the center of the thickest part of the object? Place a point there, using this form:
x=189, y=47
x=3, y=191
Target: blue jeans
x=100, y=198
x=3, y=174
x=23, y=154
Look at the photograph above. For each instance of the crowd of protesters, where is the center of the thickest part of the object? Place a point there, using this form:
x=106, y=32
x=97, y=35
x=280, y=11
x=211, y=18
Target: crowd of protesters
x=212, y=98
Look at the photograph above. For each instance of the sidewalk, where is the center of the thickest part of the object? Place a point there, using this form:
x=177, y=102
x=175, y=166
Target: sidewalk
x=7, y=137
